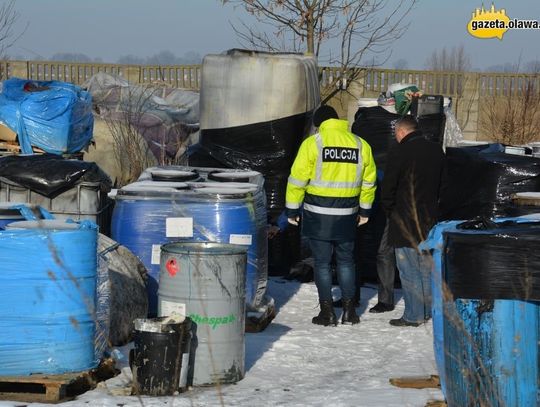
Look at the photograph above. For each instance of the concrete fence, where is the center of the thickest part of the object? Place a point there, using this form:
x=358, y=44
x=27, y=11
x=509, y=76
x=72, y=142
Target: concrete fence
x=468, y=90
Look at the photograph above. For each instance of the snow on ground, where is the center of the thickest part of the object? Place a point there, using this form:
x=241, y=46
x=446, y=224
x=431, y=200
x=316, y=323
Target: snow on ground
x=296, y=363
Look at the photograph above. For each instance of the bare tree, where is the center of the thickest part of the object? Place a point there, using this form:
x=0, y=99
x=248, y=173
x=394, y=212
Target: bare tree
x=455, y=59
x=512, y=114
x=354, y=27
x=131, y=150
x=401, y=63
x=8, y=35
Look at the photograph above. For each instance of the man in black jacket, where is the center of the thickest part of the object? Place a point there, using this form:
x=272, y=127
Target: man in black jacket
x=409, y=195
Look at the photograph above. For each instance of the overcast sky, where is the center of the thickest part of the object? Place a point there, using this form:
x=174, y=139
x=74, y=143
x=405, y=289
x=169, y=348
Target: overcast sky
x=108, y=29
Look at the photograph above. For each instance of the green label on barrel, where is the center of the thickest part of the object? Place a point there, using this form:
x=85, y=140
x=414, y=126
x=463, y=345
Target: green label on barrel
x=212, y=321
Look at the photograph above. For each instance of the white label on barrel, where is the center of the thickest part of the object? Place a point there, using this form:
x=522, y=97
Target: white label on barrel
x=156, y=253
x=167, y=308
x=240, y=239
x=179, y=227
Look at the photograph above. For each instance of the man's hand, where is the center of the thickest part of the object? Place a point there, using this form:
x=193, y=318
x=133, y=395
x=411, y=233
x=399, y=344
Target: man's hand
x=362, y=221
x=294, y=221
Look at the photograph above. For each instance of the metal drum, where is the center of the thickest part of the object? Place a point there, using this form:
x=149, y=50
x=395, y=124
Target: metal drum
x=146, y=217
x=206, y=282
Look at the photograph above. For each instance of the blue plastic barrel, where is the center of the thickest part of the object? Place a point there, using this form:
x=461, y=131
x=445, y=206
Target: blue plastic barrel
x=144, y=218
x=48, y=295
x=486, y=350
x=435, y=242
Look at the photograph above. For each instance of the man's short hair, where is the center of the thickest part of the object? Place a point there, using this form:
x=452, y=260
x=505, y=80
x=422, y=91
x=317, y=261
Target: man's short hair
x=323, y=113
x=408, y=123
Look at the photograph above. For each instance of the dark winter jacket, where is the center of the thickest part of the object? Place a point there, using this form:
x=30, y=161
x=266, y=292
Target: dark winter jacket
x=410, y=189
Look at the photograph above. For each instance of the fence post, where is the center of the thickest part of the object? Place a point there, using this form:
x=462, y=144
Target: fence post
x=132, y=74
x=19, y=69
x=357, y=89
x=468, y=106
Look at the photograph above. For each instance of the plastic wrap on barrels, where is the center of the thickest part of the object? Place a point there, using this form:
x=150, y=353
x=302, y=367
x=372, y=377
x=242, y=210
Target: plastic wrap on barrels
x=275, y=186
x=494, y=260
x=443, y=308
x=121, y=294
x=497, y=339
x=52, y=115
x=432, y=126
x=50, y=175
x=147, y=219
x=376, y=126
x=268, y=147
x=480, y=181
x=47, y=302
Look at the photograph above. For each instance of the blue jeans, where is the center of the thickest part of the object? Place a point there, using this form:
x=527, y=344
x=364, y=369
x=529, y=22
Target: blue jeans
x=346, y=273
x=415, y=274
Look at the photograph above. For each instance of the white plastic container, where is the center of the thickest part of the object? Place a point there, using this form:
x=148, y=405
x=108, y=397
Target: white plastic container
x=85, y=200
x=245, y=87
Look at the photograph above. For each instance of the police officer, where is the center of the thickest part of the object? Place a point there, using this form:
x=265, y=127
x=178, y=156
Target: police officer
x=332, y=182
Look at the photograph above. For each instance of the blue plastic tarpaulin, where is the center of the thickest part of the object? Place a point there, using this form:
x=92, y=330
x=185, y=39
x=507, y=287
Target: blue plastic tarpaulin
x=51, y=115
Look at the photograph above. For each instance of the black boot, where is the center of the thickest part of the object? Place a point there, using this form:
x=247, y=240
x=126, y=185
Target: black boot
x=349, y=316
x=326, y=316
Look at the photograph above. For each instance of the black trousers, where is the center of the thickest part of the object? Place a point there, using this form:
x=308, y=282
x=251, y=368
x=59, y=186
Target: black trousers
x=386, y=269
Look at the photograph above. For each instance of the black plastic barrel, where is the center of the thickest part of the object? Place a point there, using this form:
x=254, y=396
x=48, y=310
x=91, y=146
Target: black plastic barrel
x=160, y=351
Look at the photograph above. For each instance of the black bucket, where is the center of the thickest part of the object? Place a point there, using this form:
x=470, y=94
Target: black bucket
x=160, y=356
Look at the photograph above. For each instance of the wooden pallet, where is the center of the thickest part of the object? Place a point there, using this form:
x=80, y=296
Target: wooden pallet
x=54, y=388
x=417, y=382
x=436, y=403
x=13, y=148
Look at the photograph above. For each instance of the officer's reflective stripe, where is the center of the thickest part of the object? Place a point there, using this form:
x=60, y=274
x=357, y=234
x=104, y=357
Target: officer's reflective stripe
x=328, y=184
x=365, y=205
x=292, y=205
x=318, y=167
x=297, y=182
x=368, y=184
x=360, y=165
x=330, y=211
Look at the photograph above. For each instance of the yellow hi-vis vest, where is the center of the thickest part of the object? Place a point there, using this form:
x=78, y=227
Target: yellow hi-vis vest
x=333, y=177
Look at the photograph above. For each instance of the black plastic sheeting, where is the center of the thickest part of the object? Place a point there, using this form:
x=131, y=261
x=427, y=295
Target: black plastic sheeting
x=432, y=126
x=268, y=147
x=491, y=261
x=50, y=175
x=480, y=181
x=376, y=126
